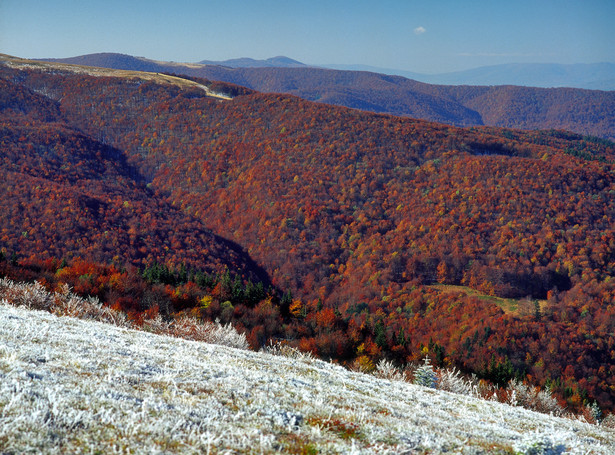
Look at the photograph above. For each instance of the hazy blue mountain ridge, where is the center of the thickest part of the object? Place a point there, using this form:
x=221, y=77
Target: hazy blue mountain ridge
x=593, y=76
x=245, y=62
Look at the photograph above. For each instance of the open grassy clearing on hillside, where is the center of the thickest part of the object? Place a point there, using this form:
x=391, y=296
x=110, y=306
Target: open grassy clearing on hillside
x=69, y=386
x=510, y=306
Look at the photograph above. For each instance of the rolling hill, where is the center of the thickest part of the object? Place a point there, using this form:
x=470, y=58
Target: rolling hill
x=582, y=111
x=353, y=215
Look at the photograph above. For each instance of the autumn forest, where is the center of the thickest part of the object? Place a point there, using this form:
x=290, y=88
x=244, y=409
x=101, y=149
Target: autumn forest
x=354, y=235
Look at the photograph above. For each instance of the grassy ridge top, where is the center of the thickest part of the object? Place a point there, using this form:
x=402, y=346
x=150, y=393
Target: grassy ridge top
x=159, y=78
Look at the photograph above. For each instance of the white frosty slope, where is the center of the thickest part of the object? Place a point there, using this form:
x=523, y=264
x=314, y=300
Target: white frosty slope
x=75, y=386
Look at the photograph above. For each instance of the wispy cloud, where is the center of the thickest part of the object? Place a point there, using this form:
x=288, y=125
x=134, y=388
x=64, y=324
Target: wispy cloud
x=420, y=30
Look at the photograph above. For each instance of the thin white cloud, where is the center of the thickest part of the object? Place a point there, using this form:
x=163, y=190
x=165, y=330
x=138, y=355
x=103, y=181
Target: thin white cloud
x=420, y=30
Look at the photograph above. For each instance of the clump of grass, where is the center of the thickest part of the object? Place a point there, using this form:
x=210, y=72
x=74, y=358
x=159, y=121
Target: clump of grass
x=341, y=428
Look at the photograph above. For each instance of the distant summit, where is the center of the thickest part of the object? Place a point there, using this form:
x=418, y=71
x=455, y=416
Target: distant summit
x=110, y=60
x=245, y=62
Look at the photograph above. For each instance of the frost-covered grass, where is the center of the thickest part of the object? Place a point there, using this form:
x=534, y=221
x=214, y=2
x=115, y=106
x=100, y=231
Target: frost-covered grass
x=34, y=296
x=80, y=386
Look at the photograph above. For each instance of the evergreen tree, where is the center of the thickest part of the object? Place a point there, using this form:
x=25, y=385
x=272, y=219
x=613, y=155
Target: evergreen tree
x=425, y=375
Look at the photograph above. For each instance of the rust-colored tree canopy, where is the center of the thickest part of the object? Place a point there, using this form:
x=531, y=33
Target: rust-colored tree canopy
x=325, y=226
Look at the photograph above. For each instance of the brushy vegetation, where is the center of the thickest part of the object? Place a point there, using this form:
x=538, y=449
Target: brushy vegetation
x=35, y=297
x=516, y=393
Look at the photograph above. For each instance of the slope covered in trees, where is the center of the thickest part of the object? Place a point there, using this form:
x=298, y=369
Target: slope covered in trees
x=356, y=213
x=66, y=194
x=582, y=111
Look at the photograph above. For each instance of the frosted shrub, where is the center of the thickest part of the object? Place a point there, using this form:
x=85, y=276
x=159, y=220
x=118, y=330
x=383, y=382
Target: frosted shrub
x=425, y=375
x=608, y=421
x=451, y=380
x=68, y=304
x=592, y=413
x=214, y=333
x=386, y=370
x=533, y=398
x=156, y=325
x=227, y=335
x=31, y=295
x=283, y=349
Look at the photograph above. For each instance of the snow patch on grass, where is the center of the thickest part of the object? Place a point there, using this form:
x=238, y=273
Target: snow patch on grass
x=72, y=386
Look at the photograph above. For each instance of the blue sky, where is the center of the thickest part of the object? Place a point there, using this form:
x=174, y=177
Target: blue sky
x=427, y=36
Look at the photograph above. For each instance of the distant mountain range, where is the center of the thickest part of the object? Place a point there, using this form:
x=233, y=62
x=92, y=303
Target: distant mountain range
x=595, y=76
x=578, y=110
x=591, y=76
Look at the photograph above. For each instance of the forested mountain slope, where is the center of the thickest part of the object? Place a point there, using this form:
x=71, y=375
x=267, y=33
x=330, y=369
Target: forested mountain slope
x=578, y=110
x=358, y=214
x=66, y=194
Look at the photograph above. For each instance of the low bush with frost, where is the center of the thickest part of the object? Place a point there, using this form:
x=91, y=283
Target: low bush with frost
x=608, y=421
x=215, y=333
x=30, y=295
x=451, y=380
x=283, y=349
x=68, y=304
x=534, y=398
x=387, y=370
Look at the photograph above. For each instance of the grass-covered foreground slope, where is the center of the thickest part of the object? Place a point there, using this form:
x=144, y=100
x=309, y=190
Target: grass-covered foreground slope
x=69, y=386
